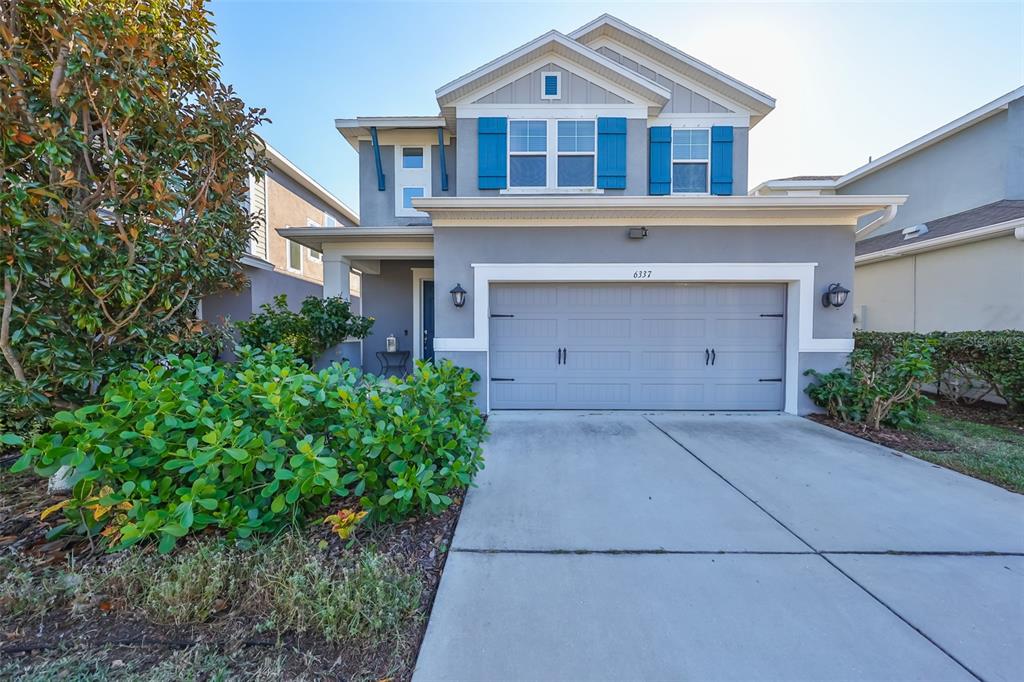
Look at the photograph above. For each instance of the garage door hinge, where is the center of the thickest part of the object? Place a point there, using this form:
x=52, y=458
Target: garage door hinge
x=497, y=315
x=770, y=380
x=771, y=314
x=505, y=379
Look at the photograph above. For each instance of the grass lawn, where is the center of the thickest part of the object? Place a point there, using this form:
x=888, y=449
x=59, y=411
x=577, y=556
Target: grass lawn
x=989, y=452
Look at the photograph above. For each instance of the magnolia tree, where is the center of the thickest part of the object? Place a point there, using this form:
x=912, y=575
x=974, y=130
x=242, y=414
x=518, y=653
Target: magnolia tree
x=125, y=167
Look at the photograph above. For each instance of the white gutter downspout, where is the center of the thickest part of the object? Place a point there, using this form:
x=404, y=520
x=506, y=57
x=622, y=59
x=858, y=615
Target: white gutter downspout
x=880, y=221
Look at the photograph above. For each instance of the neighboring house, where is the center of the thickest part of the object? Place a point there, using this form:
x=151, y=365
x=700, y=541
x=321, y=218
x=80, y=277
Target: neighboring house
x=952, y=258
x=275, y=265
x=588, y=194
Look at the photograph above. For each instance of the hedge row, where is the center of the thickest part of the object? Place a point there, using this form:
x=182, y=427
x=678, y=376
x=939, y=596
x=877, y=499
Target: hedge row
x=967, y=365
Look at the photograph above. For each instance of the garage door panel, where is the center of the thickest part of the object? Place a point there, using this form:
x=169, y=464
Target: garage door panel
x=637, y=346
x=525, y=394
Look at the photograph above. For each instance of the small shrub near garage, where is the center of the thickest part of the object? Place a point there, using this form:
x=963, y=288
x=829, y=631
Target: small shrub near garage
x=319, y=324
x=878, y=388
x=190, y=444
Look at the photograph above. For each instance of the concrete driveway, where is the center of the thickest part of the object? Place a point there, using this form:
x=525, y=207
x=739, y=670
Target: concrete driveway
x=613, y=546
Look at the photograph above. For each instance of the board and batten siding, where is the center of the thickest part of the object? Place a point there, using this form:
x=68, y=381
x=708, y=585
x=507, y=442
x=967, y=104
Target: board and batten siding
x=258, y=208
x=684, y=100
x=575, y=90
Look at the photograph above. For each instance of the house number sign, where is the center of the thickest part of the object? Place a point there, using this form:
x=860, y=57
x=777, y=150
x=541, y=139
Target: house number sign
x=642, y=274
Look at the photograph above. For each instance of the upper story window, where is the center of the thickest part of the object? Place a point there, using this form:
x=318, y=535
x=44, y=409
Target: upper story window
x=528, y=147
x=551, y=85
x=576, y=153
x=691, y=160
x=552, y=155
x=310, y=253
x=412, y=157
x=412, y=178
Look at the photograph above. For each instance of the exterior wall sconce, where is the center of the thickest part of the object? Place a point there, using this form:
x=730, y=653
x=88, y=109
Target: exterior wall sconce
x=835, y=296
x=636, y=232
x=458, y=296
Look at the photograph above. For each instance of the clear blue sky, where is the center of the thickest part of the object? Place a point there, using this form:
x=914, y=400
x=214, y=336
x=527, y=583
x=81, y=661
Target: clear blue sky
x=850, y=80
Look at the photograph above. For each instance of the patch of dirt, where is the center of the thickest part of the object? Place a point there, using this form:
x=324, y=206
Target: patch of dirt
x=980, y=412
x=904, y=441
x=130, y=643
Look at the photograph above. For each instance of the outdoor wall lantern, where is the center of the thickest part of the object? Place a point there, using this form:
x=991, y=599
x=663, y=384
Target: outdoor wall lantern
x=835, y=295
x=637, y=232
x=458, y=296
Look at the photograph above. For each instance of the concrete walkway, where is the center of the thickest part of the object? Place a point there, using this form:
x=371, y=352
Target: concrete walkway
x=615, y=546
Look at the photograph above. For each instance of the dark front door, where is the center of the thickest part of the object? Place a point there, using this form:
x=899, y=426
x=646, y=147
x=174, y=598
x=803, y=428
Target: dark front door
x=428, y=319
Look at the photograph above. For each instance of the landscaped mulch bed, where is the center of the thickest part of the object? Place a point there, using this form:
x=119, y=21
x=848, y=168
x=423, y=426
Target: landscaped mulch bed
x=124, y=645
x=904, y=441
x=981, y=412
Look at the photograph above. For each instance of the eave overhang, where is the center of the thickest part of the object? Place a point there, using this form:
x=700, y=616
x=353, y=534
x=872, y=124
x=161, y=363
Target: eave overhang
x=653, y=211
x=365, y=242
x=354, y=128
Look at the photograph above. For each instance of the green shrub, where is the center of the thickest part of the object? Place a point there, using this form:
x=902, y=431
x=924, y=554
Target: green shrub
x=320, y=324
x=178, y=447
x=879, y=388
x=968, y=365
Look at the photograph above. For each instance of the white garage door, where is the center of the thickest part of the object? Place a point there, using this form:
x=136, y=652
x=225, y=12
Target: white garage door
x=683, y=346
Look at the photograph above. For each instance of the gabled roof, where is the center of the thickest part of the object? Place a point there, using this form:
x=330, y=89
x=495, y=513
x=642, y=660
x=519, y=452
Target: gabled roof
x=937, y=135
x=659, y=51
x=553, y=42
x=281, y=162
x=977, y=223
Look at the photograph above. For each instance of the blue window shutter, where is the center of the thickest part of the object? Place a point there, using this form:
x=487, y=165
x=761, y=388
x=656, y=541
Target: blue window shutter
x=611, y=153
x=492, y=156
x=660, y=173
x=721, y=160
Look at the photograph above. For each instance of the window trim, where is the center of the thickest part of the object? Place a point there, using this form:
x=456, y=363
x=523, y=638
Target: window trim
x=550, y=155
x=411, y=177
x=673, y=161
x=558, y=84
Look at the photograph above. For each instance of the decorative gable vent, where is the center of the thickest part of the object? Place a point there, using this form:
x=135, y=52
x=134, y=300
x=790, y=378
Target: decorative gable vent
x=915, y=231
x=550, y=85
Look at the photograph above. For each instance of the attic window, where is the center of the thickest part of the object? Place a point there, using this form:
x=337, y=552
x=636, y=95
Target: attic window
x=915, y=231
x=551, y=85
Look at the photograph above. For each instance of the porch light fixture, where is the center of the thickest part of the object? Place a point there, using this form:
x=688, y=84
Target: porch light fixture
x=835, y=295
x=636, y=232
x=458, y=296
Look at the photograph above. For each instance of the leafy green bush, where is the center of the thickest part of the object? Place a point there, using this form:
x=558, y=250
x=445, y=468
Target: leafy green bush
x=878, y=388
x=320, y=324
x=968, y=365
x=189, y=444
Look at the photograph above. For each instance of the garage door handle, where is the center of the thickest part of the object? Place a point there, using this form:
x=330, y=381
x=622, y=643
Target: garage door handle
x=497, y=315
x=712, y=357
x=559, y=361
x=501, y=379
x=776, y=380
x=771, y=314
x=565, y=356
x=707, y=357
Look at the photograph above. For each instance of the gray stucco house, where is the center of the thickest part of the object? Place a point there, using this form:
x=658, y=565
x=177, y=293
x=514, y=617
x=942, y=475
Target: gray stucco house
x=588, y=193
x=952, y=257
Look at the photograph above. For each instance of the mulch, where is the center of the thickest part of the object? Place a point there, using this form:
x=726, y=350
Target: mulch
x=904, y=441
x=981, y=412
x=418, y=544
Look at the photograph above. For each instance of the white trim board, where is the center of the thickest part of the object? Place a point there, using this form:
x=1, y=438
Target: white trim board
x=419, y=276
x=799, y=277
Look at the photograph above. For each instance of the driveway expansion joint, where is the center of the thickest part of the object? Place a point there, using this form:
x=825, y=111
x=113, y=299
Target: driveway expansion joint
x=822, y=555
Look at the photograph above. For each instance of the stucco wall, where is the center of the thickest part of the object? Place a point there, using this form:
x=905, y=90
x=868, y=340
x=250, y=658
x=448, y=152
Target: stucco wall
x=387, y=297
x=969, y=169
x=974, y=286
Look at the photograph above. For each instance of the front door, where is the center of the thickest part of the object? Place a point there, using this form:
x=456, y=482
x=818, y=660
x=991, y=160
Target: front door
x=427, y=315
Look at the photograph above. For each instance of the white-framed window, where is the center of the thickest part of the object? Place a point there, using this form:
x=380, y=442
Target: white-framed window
x=577, y=153
x=691, y=161
x=550, y=85
x=294, y=256
x=528, y=153
x=312, y=255
x=330, y=221
x=412, y=177
x=355, y=283
x=556, y=155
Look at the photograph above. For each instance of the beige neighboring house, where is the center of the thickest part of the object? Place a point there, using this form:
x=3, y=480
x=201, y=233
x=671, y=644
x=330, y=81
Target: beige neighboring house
x=275, y=265
x=952, y=257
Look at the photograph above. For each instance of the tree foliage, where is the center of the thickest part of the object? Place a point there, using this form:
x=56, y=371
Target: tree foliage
x=125, y=165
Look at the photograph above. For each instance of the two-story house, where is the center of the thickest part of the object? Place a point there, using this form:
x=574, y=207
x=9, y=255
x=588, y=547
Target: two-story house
x=574, y=225
x=952, y=258
x=274, y=265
